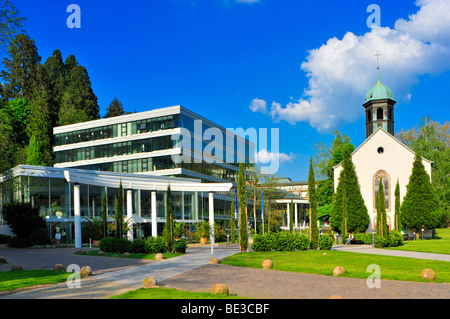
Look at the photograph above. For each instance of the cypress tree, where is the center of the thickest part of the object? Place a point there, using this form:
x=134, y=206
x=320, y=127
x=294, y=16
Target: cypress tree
x=344, y=226
x=119, y=211
x=104, y=215
x=168, y=231
x=232, y=223
x=420, y=204
x=242, y=202
x=382, y=229
x=397, y=208
x=313, y=207
x=358, y=218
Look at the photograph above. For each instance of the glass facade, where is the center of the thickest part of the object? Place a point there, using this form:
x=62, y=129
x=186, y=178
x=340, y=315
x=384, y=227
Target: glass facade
x=118, y=130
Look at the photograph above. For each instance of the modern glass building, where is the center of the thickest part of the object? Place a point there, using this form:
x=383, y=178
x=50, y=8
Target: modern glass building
x=147, y=152
x=153, y=142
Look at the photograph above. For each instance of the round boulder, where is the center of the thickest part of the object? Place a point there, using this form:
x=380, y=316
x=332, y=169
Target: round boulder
x=220, y=289
x=428, y=274
x=267, y=264
x=149, y=282
x=159, y=256
x=86, y=271
x=58, y=267
x=214, y=260
x=338, y=271
x=126, y=255
x=16, y=268
x=100, y=253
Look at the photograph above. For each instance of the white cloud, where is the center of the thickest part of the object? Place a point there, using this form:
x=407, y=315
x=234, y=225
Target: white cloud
x=258, y=105
x=342, y=70
x=264, y=157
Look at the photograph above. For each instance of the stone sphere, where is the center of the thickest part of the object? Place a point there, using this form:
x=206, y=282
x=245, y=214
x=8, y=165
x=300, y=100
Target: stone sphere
x=219, y=289
x=338, y=271
x=267, y=264
x=149, y=282
x=428, y=274
x=126, y=255
x=16, y=268
x=100, y=253
x=58, y=267
x=86, y=271
x=214, y=260
x=159, y=256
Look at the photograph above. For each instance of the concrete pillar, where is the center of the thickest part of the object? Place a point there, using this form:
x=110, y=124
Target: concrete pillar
x=77, y=215
x=296, y=216
x=154, y=226
x=130, y=213
x=211, y=217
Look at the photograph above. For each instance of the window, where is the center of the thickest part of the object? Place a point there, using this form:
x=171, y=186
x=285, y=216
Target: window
x=386, y=188
x=379, y=113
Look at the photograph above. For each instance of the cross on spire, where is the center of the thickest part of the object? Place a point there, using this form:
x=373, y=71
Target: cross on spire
x=377, y=55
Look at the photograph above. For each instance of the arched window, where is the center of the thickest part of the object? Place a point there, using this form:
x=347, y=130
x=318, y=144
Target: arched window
x=379, y=113
x=386, y=188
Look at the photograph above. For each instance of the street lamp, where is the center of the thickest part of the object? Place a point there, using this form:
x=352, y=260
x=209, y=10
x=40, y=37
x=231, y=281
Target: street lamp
x=422, y=232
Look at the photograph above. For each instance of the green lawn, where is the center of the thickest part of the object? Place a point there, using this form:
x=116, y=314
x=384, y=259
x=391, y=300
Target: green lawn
x=138, y=256
x=439, y=245
x=169, y=293
x=10, y=280
x=323, y=262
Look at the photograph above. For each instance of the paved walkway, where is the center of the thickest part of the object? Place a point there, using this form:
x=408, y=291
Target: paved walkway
x=192, y=272
x=367, y=249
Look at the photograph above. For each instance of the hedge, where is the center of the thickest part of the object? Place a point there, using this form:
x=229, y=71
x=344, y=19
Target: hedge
x=280, y=241
x=115, y=245
x=326, y=242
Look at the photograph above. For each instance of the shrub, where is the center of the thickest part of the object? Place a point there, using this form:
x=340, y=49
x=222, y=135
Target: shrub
x=23, y=218
x=395, y=238
x=2, y=260
x=326, y=242
x=380, y=242
x=137, y=246
x=4, y=239
x=155, y=245
x=280, y=242
x=18, y=242
x=179, y=246
x=114, y=245
x=40, y=237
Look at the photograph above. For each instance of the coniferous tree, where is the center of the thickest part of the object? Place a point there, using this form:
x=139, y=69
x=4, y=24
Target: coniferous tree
x=382, y=229
x=168, y=231
x=243, y=237
x=79, y=103
x=232, y=223
x=397, y=220
x=115, y=108
x=358, y=218
x=10, y=23
x=20, y=67
x=104, y=216
x=420, y=205
x=118, y=211
x=313, y=207
x=344, y=216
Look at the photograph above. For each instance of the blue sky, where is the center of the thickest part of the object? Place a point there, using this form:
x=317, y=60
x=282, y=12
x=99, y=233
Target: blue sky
x=307, y=64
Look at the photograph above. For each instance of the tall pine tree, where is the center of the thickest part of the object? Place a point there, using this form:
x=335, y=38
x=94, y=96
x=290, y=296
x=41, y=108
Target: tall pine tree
x=242, y=201
x=313, y=207
x=358, y=218
x=397, y=220
x=115, y=108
